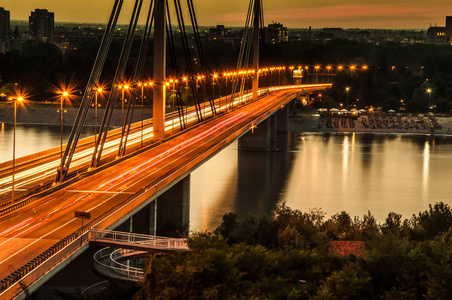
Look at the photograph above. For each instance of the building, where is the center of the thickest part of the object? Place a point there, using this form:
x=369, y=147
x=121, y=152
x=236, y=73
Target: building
x=440, y=35
x=4, y=23
x=219, y=33
x=276, y=33
x=42, y=24
x=4, y=30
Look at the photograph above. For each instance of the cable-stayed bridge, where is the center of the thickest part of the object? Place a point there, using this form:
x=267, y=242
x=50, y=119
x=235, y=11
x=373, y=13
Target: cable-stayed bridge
x=117, y=174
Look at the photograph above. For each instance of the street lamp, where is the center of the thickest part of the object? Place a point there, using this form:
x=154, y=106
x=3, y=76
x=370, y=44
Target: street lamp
x=142, y=85
x=185, y=79
x=98, y=91
x=306, y=68
x=429, y=91
x=173, y=96
x=328, y=68
x=317, y=68
x=123, y=88
x=352, y=69
x=20, y=99
x=213, y=84
x=347, y=89
x=61, y=111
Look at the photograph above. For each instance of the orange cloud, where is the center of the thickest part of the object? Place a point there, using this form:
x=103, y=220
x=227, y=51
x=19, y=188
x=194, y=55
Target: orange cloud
x=399, y=15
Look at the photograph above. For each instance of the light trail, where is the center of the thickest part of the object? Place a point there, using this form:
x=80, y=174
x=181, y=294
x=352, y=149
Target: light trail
x=47, y=170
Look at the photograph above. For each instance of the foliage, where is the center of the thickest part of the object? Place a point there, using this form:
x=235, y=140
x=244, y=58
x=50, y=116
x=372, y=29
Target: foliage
x=396, y=71
x=286, y=257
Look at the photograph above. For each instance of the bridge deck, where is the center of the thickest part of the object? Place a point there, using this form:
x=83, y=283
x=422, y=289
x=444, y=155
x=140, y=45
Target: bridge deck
x=48, y=226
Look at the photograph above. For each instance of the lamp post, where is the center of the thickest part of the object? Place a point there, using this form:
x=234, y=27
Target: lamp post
x=142, y=85
x=213, y=85
x=346, y=105
x=185, y=79
x=123, y=88
x=352, y=70
x=317, y=68
x=99, y=90
x=429, y=91
x=173, y=95
x=20, y=99
x=61, y=111
x=226, y=75
x=307, y=70
x=328, y=68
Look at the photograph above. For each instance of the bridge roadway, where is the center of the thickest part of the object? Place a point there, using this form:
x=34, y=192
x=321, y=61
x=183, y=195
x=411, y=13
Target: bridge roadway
x=30, y=230
x=36, y=172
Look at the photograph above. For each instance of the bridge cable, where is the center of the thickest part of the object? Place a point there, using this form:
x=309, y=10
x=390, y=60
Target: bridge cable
x=245, y=48
x=131, y=104
x=175, y=93
x=194, y=21
x=90, y=90
x=188, y=60
x=123, y=58
x=138, y=73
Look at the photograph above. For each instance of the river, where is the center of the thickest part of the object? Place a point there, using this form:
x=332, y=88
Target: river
x=356, y=173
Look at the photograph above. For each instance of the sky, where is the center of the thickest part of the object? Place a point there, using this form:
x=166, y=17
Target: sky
x=390, y=14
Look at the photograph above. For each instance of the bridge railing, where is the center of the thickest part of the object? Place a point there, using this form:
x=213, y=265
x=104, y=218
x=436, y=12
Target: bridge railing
x=108, y=263
x=151, y=241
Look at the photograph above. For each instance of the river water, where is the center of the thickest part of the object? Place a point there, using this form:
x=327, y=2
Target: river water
x=335, y=172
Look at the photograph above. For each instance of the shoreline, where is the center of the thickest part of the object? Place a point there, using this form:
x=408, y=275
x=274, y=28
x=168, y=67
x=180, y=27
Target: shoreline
x=310, y=121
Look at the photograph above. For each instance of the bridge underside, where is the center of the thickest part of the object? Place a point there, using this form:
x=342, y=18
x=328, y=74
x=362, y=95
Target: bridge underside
x=262, y=134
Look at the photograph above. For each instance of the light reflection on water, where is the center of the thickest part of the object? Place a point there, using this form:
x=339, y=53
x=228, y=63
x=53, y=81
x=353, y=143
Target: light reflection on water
x=335, y=172
x=32, y=138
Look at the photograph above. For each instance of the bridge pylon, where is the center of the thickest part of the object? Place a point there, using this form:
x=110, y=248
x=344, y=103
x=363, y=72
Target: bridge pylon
x=257, y=21
x=158, y=109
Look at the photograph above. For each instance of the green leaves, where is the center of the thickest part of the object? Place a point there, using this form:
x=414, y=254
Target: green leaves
x=286, y=257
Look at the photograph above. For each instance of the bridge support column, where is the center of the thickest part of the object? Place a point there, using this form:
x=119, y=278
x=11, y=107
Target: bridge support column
x=173, y=210
x=153, y=217
x=282, y=120
x=259, y=139
x=273, y=131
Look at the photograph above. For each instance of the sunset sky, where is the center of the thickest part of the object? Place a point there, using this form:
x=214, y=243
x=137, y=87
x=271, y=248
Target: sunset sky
x=415, y=14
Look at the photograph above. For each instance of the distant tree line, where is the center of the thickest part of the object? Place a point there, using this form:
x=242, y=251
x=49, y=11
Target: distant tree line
x=396, y=71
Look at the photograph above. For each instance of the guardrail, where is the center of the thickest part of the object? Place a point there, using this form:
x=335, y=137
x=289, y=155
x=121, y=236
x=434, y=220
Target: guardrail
x=143, y=240
x=106, y=262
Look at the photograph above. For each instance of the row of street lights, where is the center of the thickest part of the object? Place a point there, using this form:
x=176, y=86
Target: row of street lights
x=126, y=87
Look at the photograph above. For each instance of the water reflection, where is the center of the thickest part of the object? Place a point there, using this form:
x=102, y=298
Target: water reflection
x=32, y=138
x=240, y=181
x=335, y=172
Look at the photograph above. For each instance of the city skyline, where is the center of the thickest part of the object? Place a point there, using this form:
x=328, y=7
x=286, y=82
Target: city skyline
x=397, y=14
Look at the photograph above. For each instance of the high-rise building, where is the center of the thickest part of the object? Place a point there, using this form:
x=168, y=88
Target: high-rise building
x=219, y=33
x=4, y=22
x=42, y=23
x=276, y=33
x=440, y=35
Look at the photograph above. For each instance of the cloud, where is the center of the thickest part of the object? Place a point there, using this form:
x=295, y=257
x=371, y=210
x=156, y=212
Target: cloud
x=400, y=15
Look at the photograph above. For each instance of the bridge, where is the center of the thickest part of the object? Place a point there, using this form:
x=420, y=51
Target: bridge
x=39, y=234
x=108, y=262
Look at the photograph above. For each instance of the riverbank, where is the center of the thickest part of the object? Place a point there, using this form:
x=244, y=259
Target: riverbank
x=310, y=121
x=47, y=114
